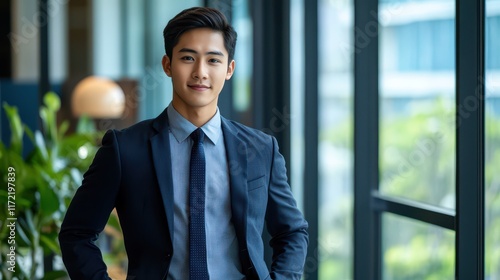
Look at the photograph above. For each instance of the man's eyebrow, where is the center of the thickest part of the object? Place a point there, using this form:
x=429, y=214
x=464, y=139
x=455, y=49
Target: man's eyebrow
x=195, y=52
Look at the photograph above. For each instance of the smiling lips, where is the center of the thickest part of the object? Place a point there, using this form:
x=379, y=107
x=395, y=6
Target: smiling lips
x=199, y=87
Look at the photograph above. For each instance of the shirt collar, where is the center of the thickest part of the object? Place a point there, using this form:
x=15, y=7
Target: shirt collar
x=181, y=128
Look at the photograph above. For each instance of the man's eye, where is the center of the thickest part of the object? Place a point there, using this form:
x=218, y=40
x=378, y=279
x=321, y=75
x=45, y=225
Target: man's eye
x=187, y=58
x=214, y=60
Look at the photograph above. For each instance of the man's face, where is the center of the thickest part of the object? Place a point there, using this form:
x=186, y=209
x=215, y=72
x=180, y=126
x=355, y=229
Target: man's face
x=198, y=68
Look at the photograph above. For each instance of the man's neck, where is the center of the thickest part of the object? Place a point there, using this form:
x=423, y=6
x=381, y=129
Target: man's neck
x=199, y=116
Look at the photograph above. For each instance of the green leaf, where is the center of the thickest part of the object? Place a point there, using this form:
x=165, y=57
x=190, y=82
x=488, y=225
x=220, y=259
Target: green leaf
x=31, y=221
x=40, y=144
x=63, y=128
x=21, y=234
x=22, y=202
x=50, y=243
x=45, y=116
x=52, y=101
x=49, y=200
x=48, y=121
x=114, y=222
x=29, y=132
x=52, y=105
x=16, y=127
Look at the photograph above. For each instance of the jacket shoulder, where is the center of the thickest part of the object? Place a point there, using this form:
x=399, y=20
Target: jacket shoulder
x=142, y=129
x=245, y=131
x=138, y=127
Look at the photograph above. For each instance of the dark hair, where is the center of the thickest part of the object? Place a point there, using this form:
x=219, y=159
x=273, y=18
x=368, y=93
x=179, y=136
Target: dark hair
x=199, y=17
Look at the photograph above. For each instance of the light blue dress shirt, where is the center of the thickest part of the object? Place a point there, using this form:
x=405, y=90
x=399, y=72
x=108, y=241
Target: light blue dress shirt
x=222, y=245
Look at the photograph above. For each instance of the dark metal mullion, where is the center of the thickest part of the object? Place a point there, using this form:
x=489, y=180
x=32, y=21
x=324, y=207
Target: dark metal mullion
x=311, y=132
x=470, y=18
x=44, y=75
x=259, y=62
x=367, y=225
x=271, y=75
x=124, y=33
x=271, y=71
x=283, y=103
x=416, y=210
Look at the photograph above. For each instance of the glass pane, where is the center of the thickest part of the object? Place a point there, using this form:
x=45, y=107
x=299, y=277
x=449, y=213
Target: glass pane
x=297, y=100
x=335, y=139
x=242, y=78
x=416, y=250
x=492, y=141
x=417, y=97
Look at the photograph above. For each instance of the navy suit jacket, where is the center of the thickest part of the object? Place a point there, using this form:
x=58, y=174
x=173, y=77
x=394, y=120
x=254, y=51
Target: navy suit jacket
x=132, y=173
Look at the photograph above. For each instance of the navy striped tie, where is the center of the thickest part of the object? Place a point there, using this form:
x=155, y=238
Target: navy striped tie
x=197, y=240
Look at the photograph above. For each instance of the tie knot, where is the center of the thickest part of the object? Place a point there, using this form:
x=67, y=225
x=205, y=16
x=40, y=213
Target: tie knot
x=197, y=136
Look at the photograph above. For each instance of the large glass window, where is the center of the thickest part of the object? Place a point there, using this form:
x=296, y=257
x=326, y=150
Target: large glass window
x=492, y=141
x=417, y=86
x=335, y=19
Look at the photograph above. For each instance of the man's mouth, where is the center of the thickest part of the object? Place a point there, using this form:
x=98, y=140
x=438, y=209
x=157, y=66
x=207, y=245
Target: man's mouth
x=199, y=87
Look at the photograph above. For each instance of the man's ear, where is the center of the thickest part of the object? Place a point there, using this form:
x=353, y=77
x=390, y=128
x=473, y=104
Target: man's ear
x=230, y=70
x=165, y=62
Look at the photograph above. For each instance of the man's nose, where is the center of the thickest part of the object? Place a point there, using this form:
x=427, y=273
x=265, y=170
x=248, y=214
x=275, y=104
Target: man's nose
x=200, y=72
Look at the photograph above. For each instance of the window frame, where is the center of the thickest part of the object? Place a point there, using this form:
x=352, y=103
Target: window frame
x=369, y=205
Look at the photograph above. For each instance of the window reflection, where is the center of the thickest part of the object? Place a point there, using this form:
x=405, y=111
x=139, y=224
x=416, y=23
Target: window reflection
x=335, y=19
x=492, y=141
x=297, y=99
x=242, y=78
x=417, y=97
x=415, y=250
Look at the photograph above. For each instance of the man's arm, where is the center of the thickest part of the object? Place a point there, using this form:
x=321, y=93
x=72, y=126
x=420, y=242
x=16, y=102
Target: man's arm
x=88, y=213
x=285, y=223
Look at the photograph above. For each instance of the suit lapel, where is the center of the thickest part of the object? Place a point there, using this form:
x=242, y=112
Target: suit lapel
x=160, y=146
x=236, y=151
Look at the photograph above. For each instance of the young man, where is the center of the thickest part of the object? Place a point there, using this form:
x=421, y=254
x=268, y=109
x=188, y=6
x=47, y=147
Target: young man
x=192, y=189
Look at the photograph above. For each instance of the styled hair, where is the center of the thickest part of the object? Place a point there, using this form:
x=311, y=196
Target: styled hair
x=199, y=17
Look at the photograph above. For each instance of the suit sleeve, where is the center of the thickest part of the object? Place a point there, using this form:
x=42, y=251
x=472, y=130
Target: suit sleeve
x=285, y=223
x=88, y=213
